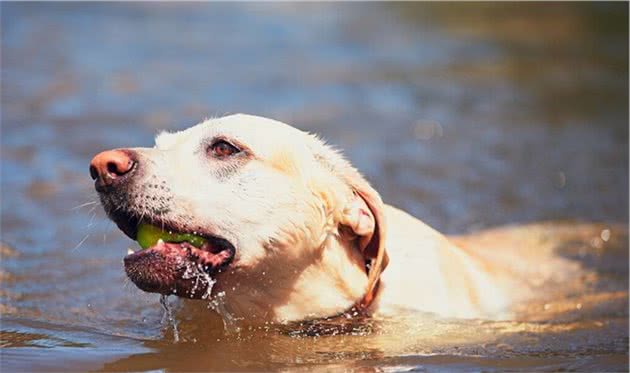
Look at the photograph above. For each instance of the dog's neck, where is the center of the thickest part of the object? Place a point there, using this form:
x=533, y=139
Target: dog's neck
x=326, y=283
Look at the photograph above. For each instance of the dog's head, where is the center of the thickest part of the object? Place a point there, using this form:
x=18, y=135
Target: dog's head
x=237, y=195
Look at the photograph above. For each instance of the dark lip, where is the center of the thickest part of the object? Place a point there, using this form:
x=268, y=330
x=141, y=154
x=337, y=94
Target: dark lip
x=177, y=268
x=128, y=223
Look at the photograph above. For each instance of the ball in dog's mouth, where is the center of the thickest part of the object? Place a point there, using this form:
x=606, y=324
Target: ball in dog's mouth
x=178, y=263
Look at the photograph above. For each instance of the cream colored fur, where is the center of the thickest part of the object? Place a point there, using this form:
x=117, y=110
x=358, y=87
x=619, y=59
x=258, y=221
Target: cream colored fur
x=283, y=207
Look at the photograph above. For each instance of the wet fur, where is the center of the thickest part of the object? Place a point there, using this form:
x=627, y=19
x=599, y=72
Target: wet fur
x=287, y=203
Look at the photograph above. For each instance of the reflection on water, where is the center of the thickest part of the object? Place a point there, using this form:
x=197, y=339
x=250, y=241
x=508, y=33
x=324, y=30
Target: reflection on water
x=467, y=115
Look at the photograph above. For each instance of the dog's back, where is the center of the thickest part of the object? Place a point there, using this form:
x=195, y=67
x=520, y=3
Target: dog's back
x=490, y=274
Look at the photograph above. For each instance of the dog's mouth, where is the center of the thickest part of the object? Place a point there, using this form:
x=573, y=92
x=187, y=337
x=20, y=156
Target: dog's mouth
x=174, y=260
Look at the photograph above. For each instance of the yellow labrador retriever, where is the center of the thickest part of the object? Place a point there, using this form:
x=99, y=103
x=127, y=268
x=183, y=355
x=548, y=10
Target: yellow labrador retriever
x=287, y=228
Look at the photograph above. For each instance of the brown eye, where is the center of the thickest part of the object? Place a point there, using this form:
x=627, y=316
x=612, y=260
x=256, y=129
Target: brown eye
x=223, y=149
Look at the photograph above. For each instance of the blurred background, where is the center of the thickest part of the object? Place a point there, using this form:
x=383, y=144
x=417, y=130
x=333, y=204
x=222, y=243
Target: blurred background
x=467, y=115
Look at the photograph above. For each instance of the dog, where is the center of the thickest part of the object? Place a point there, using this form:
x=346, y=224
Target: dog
x=291, y=230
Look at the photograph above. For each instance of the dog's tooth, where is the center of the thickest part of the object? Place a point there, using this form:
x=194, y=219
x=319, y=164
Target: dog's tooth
x=160, y=241
x=130, y=251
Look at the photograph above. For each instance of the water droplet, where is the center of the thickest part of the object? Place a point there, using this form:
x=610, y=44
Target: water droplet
x=169, y=316
x=560, y=180
x=605, y=235
x=427, y=130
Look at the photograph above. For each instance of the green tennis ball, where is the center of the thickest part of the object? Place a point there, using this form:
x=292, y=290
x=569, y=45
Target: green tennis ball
x=149, y=235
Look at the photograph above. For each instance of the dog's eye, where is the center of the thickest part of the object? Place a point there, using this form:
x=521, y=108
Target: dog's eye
x=223, y=149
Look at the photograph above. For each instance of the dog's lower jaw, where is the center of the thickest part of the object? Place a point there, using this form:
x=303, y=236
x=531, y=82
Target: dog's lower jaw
x=325, y=287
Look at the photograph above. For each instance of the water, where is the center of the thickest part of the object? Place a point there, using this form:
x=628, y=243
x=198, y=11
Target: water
x=468, y=116
x=168, y=316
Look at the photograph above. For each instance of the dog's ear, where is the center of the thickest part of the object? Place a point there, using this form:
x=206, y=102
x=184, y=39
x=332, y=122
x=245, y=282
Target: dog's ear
x=357, y=221
x=364, y=218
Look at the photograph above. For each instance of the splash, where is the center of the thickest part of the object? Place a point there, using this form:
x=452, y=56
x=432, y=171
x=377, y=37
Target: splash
x=203, y=281
x=168, y=315
x=230, y=323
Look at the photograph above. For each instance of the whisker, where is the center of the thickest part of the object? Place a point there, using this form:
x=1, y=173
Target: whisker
x=108, y=229
x=91, y=222
x=84, y=204
x=92, y=209
x=82, y=241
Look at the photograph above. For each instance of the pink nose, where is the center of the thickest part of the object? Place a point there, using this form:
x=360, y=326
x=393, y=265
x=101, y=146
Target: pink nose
x=108, y=166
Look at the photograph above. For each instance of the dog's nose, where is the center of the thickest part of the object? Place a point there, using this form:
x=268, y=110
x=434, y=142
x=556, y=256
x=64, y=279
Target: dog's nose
x=111, y=165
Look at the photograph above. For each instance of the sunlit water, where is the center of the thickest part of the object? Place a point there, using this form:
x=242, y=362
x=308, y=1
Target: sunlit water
x=468, y=116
